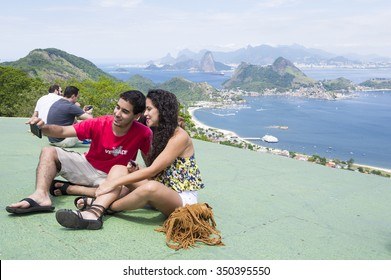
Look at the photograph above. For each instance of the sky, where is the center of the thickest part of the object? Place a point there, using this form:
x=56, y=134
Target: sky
x=140, y=30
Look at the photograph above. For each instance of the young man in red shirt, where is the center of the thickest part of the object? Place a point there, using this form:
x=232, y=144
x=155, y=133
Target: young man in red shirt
x=115, y=140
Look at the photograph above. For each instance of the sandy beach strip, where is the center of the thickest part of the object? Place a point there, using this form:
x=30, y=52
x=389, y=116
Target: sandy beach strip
x=199, y=124
x=373, y=167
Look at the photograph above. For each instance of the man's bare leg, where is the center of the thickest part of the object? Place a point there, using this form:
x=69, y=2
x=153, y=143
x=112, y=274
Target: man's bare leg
x=47, y=169
x=75, y=190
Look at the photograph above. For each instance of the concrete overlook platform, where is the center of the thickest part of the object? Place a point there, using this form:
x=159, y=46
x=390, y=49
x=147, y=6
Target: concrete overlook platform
x=267, y=207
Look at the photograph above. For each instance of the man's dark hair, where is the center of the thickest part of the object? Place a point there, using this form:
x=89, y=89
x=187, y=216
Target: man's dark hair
x=71, y=90
x=53, y=88
x=136, y=98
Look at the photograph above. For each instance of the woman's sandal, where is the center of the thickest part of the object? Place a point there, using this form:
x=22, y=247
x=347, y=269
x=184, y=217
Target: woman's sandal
x=74, y=219
x=85, y=199
x=87, y=203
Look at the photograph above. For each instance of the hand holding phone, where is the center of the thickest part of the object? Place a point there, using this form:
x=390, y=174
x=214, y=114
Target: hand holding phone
x=36, y=130
x=132, y=166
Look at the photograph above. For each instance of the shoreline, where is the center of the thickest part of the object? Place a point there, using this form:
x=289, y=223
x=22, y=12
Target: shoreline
x=373, y=167
x=200, y=124
x=227, y=133
x=232, y=134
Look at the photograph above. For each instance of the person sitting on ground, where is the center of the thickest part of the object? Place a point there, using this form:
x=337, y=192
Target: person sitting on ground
x=170, y=180
x=115, y=139
x=45, y=102
x=65, y=112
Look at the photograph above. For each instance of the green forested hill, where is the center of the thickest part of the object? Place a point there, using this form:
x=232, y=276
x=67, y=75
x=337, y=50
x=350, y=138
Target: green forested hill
x=282, y=75
x=185, y=90
x=52, y=64
x=337, y=84
x=141, y=83
x=377, y=83
x=24, y=81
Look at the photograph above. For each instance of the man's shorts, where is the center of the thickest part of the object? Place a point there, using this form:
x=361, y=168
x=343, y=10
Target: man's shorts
x=76, y=169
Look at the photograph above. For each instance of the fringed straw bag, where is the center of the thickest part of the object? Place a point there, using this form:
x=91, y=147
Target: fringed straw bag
x=190, y=224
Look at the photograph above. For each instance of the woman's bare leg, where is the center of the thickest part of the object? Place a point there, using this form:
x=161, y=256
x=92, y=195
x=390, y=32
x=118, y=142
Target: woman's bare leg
x=154, y=193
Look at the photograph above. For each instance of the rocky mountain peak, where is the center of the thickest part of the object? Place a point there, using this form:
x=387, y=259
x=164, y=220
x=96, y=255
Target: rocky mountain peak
x=207, y=63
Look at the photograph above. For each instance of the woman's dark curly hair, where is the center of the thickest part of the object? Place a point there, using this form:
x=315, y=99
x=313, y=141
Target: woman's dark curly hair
x=168, y=106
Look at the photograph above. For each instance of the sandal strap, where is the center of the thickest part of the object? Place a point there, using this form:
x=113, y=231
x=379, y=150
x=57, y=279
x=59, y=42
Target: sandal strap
x=97, y=209
x=86, y=205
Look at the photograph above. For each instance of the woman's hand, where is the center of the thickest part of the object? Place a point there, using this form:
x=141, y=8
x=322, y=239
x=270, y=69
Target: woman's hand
x=105, y=187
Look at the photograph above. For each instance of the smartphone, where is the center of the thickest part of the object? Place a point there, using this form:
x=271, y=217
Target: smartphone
x=133, y=163
x=36, y=130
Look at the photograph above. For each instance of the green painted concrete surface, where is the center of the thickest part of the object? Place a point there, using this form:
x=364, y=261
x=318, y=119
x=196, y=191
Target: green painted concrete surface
x=267, y=207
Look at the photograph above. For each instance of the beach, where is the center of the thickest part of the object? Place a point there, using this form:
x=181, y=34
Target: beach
x=227, y=133
x=199, y=124
x=374, y=167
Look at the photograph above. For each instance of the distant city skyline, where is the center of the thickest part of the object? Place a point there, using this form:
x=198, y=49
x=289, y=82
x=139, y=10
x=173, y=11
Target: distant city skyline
x=141, y=30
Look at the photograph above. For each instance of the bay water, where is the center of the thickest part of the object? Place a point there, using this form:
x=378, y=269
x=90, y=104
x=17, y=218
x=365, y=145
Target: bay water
x=358, y=128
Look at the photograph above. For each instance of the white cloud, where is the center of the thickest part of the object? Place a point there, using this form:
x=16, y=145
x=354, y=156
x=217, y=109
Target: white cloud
x=119, y=3
x=277, y=3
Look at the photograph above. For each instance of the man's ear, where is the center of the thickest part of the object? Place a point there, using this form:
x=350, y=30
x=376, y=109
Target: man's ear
x=137, y=116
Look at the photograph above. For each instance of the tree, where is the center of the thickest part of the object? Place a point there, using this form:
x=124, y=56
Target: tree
x=103, y=94
x=350, y=162
x=19, y=92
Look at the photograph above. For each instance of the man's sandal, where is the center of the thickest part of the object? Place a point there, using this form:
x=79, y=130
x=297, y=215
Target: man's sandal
x=62, y=189
x=74, y=219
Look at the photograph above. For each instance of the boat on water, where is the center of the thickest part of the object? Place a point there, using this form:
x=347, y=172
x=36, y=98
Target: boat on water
x=269, y=138
x=216, y=73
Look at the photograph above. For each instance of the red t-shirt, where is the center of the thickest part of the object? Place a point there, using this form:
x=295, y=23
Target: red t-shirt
x=106, y=149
